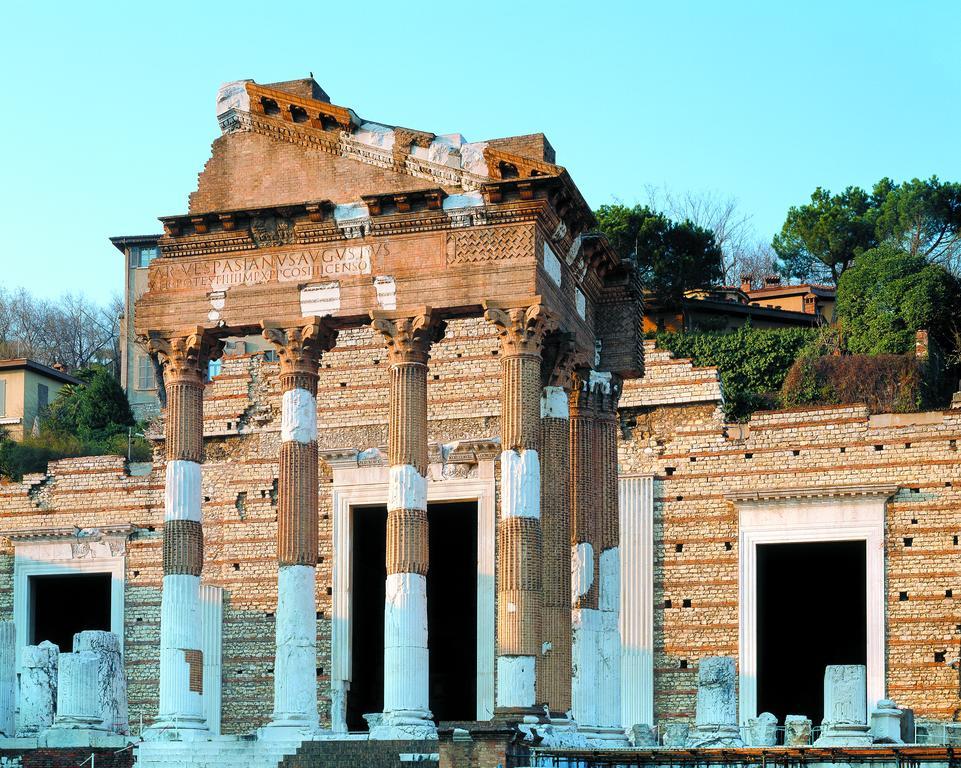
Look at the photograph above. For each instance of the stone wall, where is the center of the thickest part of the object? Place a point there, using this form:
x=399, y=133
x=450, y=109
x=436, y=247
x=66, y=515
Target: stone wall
x=671, y=427
x=697, y=461
x=242, y=417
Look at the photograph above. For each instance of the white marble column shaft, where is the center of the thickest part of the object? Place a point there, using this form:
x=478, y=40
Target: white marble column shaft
x=181, y=698
x=77, y=687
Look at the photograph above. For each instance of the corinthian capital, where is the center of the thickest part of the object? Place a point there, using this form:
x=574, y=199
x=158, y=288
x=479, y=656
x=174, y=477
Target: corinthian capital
x=408, y=335
x=521, y=327
x=560, y=357
x=300, y=344
x=184, y=356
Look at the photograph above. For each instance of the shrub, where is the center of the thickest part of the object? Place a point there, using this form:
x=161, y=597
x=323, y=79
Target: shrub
x=752, y=362
x=885, y=383
x=97, y=409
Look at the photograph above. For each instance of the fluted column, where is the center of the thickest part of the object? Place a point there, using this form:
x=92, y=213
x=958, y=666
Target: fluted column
x=519, y=536
x=554, y=671
x=184, y=359
x=299, y=347
x=406, y=697
x=77, y=687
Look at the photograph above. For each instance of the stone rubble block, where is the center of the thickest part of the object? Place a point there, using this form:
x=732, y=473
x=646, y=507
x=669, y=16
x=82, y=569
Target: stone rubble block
x=112, y=682
x=38, y=688
x=762, y=730
x=845, y=721
x=716, y=713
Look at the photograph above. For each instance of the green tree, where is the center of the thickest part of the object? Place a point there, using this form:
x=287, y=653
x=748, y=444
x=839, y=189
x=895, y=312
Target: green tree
x=97, y=409
x=672, y=257
x=823, y=237
x=888, y=295
x=921, y=217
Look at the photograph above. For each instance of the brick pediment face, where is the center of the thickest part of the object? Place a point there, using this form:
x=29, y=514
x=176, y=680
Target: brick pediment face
x=251, y=170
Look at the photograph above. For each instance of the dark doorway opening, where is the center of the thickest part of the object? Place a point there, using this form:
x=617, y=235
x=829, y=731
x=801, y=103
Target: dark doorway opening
x=368, y=576
x=451, y=612
x=61, y=606
x=811, y=612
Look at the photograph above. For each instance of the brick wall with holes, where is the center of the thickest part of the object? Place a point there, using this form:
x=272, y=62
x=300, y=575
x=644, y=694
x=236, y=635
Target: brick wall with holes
x=671, y=427
x=242, y=445
x=697, y=461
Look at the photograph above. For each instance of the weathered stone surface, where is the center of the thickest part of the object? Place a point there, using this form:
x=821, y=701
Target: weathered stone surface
x=716, y=723
x=762, y=730
x=38, y=688
x=886, y=723
x=675, y=734
x=112, y=682
x=845, y=707
x=797, y=731
x=641, y=735
x=78, y=704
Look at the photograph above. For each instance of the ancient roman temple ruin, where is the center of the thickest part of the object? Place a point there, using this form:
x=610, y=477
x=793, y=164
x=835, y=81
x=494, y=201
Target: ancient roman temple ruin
x=423, y=493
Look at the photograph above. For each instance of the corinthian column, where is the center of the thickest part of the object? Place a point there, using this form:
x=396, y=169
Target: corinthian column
x=554, y=671
x=299, y=347
x=607, y=390
x=184, y=359
x=406, y=701
x=595, y=568
x=519, y=539
x=584, y=501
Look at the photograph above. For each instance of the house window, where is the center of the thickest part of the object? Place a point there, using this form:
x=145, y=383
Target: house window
x=141, y=256
x=43, y=397
x=213, y=368
x=146, y=378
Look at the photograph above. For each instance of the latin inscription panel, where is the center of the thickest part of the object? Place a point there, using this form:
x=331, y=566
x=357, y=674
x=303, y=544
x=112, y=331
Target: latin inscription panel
x=292, y=266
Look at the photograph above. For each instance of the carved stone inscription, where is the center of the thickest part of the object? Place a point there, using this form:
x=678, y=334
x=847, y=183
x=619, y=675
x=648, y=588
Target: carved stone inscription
x=287, y=267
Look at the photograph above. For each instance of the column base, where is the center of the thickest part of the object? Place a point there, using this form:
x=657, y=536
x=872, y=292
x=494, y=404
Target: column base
x=81, y=737
x=715, y=736
x=404, y=724
x=525, y=715
x=291, y=729
x=845, y=735
x=604, y=735
x=178, y=729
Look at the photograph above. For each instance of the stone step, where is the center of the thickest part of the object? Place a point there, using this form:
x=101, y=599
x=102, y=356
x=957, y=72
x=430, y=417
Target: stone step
x=225, y=753
x=370, y=754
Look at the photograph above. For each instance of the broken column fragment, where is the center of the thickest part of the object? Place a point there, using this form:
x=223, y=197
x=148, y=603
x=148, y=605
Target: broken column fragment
x=38, y=688
x=716, y=717
x=112, y=682
x=676, y=734
x=845, y=721
x=8, y=679
x=78, y=703
x=886, y=723
x=762, y=730
x=797, y=731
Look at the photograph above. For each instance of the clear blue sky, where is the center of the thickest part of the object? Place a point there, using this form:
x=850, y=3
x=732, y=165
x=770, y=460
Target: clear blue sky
x=108, y=108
